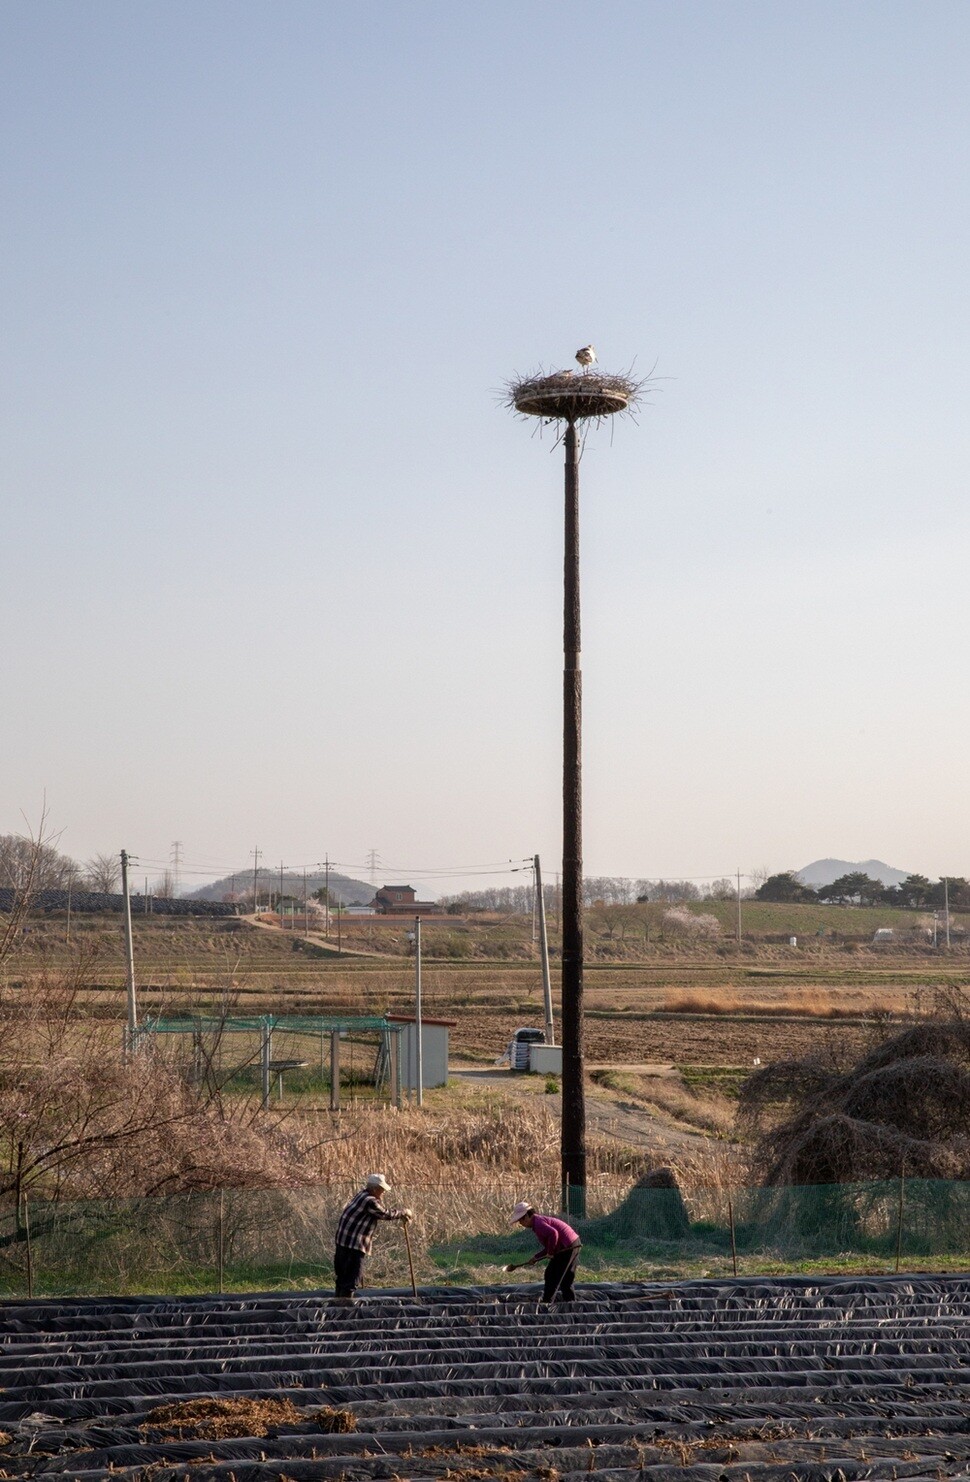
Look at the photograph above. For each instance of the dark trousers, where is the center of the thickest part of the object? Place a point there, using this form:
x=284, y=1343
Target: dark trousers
x=560, y=1275
x=348, y=1265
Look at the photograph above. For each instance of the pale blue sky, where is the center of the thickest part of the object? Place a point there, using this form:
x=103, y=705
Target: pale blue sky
x=276, y=568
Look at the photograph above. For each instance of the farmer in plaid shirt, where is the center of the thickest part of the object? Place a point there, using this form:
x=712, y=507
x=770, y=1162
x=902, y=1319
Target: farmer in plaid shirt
x=355, y=1233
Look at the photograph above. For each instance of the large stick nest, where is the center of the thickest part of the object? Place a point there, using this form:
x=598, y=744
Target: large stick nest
x=570, y=396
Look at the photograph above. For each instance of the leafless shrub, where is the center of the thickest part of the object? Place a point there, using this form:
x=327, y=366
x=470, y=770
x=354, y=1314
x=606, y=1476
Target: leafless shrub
x=79, y=1121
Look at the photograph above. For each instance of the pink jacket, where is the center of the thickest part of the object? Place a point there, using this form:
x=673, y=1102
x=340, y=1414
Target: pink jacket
x=552, y=1234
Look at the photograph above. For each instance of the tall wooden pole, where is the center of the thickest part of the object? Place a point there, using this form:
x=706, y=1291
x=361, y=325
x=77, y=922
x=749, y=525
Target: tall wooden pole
x=129, y=956
x=418, y=1015
x=573, y=1146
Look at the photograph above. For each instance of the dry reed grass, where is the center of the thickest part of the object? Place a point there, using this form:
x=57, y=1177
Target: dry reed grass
x=482, y=1139
x=812, y=1003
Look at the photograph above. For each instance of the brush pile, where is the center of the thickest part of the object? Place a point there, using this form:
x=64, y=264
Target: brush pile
x=904, y=1109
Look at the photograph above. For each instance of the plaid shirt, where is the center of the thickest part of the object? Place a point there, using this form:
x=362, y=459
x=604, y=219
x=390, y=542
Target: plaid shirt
x=358, y=1220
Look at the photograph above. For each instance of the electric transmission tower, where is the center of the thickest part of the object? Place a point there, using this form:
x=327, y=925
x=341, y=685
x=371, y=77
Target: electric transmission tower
x=176, y=857
x=373, y=860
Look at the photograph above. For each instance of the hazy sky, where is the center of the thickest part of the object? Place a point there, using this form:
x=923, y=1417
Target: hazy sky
x=276, y=567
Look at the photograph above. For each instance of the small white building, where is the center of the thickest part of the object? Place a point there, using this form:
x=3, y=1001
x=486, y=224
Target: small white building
x=545, y=1059
x=434, y=1050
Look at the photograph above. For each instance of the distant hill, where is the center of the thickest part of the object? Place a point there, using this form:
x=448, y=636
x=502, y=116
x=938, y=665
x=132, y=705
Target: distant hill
x=342, y=887
x=824, y=871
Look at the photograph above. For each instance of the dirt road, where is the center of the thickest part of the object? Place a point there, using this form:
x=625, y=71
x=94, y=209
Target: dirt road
x=607, y=1115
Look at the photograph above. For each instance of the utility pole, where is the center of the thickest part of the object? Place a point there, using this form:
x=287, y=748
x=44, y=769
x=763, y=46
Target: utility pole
x=129, y=958
x=544, y=956
x=255, y=854
x=739, y=911
x=573, y=1146
x=282, y=922
x=70, y=882
x=946, y=907
x=326, y=896
x=535, y=905
x=418, y=1029
x=306, y=908
x=572, y=399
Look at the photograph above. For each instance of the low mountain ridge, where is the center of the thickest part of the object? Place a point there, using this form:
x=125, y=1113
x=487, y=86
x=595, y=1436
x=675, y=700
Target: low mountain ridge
x=825, y=871
x=343, y=888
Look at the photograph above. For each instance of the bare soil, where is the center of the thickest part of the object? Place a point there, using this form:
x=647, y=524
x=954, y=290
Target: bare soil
x=678, y=1039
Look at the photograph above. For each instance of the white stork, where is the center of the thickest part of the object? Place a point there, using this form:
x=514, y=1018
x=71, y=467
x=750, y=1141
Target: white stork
x=586, y=356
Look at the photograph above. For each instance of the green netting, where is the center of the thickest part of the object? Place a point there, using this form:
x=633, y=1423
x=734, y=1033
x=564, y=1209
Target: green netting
x=259, y=1239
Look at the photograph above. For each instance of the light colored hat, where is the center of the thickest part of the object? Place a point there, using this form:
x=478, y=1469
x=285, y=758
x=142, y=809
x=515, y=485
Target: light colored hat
x=377, y=1181
x=520, y=1209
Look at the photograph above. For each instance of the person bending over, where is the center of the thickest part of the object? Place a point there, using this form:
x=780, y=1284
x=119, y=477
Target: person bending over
x=558, y=1244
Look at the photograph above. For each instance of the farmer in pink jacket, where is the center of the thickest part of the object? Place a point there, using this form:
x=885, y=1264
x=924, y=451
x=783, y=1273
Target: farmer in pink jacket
x=558, y=1244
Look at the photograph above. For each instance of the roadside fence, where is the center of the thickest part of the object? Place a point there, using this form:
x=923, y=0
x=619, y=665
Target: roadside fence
x=264, y=1239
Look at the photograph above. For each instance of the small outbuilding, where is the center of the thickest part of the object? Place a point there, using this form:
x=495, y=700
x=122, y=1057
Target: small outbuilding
x=434, y=1050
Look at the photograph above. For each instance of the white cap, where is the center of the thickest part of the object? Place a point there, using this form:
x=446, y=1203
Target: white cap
x=520, y=1209
x=377, y=1181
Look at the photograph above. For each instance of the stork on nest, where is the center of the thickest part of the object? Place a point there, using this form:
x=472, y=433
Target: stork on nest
x=563, y=396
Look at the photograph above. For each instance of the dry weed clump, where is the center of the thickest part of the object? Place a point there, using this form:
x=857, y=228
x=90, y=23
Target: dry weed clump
x=222, y=1420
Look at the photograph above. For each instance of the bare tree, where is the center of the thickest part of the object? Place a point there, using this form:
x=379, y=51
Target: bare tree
x=721, y=890
x=26, y=863
x=103, y=872
x=165, y=887
x=24, y=859
x=670, y=892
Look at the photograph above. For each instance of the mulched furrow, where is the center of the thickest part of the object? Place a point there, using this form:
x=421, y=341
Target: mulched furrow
x=787, y=1380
